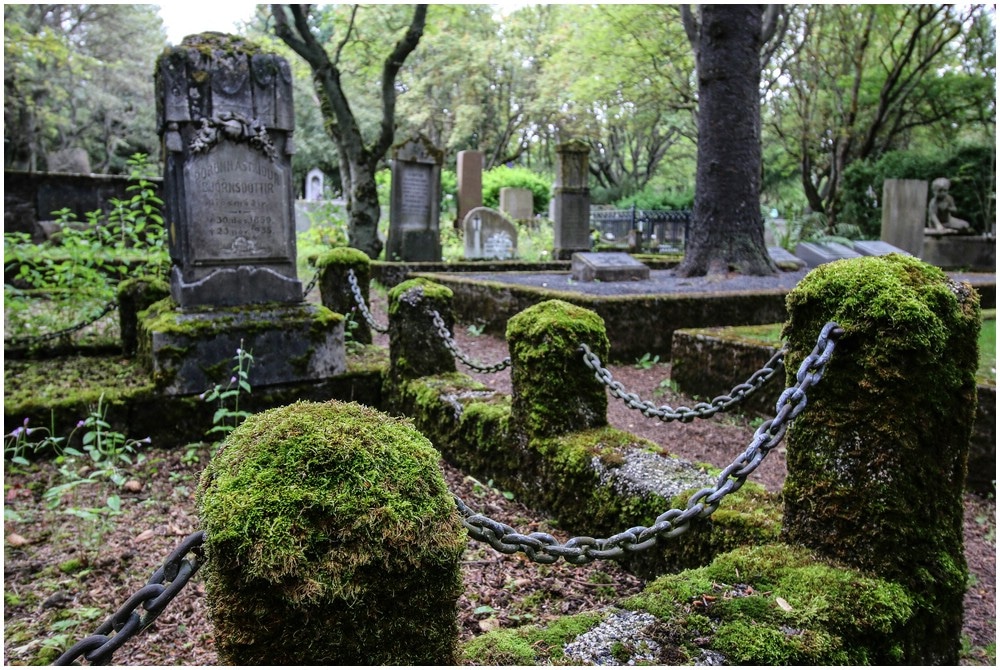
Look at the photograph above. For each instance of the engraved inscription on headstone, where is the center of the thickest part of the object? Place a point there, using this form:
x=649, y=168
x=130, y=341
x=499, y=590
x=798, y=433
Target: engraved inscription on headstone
x=235, y=198
x=415, y=196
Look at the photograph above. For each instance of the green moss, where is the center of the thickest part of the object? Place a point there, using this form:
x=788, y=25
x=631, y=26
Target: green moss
x=430, y=291
x=342, y=256
x=776, y=605
x=73, y=565
x=331, y=511
x=529, y=645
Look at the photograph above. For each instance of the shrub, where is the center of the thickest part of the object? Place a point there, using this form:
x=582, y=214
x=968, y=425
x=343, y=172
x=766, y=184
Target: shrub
x=516, y=177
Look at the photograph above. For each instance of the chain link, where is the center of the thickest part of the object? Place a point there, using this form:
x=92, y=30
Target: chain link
x=358, y=298
x=544, y=548
x=701, y=410
x=158, y=592
x=453, y=348
x=311, y=285
x=28, y=339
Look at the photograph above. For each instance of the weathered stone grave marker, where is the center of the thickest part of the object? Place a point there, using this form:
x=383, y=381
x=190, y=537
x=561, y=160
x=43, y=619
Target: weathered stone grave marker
x=782, y=256
x=904, y=210
x=517, y=203
x=607, y=266
x=315, y=180
x=415, y=202
x=877, y=248
x=571, y=200
x=488, y=234
x=226, y=120
x=470, y=182
x=815, y=254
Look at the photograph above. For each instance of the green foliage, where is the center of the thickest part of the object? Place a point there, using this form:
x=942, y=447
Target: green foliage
x=970, y=168
x=516, y=177
x=647, y=361
x=653, y=198
x=71, y=278
x=229, y=415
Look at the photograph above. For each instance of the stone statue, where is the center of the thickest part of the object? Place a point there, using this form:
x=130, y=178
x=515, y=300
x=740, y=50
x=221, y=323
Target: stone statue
x=942, y=206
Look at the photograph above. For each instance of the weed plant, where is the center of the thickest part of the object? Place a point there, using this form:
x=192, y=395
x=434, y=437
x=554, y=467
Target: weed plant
x=70, y=278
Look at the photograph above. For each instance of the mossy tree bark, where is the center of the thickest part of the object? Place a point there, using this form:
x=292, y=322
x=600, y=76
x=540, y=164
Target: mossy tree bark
x=877, y=461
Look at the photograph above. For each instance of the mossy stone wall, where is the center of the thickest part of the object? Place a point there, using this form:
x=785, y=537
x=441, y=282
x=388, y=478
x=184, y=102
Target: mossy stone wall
x=554, y=392
x=335, y=291
x=332, y=540
x=877, y=461
x=135, y=295
x=415, y=347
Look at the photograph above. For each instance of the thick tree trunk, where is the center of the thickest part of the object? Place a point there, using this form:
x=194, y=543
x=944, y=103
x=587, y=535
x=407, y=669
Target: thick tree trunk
x=728, y=230
x=362, y=227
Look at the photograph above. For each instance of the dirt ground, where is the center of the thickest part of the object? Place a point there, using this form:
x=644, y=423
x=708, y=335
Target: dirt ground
x=65, y=575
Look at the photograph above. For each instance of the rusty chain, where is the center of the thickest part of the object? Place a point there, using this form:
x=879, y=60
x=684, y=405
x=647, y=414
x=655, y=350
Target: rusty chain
x=311, y=285
x=29, y=339
x=158, y=592
x=453, y=348
x=358, y=298
x=544, y=548
x=701, y=410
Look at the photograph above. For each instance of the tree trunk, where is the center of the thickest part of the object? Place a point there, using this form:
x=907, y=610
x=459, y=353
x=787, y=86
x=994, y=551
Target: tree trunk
x=362, y=226
x=727, y=230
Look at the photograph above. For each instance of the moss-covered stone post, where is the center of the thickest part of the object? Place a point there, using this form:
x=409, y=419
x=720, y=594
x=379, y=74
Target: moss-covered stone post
x=415, y=347
x=554, y=392
x=335, y=289
x=134, y=295
x=332, y=539
x=877, y=461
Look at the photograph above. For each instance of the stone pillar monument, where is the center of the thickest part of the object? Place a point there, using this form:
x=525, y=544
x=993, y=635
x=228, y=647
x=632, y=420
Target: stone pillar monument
x=415, y=202
x=571, y=200
x=877, y=461
x=470, y=183
x=225, y=117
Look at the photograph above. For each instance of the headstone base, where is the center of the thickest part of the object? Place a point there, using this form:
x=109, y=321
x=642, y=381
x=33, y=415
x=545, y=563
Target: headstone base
x=233, y=286
x=414, y=245
x=612, y=266
x=189, y=352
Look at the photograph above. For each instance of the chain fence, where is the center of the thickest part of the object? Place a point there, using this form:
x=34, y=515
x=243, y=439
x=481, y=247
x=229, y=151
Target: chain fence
x=544, y=548
x=178, y=569
x=26, y=340
x=360, y=300
x=126, y=623
x=701, y=410
x=311, y=285
x=452, y=346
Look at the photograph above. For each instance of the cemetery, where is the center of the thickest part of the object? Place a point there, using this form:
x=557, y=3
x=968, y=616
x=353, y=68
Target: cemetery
x=321, y=456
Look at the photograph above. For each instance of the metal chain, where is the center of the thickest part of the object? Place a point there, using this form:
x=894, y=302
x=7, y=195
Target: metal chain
x=124, y=624
x=311, y=285
x=544, y=548
x=701, y=410
x=28, y=339
x=453, y=348
x=358, y=298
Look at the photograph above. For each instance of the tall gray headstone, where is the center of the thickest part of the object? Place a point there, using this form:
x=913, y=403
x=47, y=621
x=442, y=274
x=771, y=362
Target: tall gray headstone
x=225, y=115
x=415, y=202
x=470, y=182
x=488, y=234
x=904, y=212
x=571, y=200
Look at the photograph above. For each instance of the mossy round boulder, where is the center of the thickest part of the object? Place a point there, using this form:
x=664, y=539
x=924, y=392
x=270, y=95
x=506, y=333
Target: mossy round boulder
x=332, y=539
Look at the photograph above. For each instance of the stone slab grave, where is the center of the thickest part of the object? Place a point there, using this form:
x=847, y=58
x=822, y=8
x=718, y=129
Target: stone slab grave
x=607, y=266
x=226, y=120
x=877, y=248
x=783, y=257
x=488, y=234
x=815, y=254
x=415, y=202
x=517, y=203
